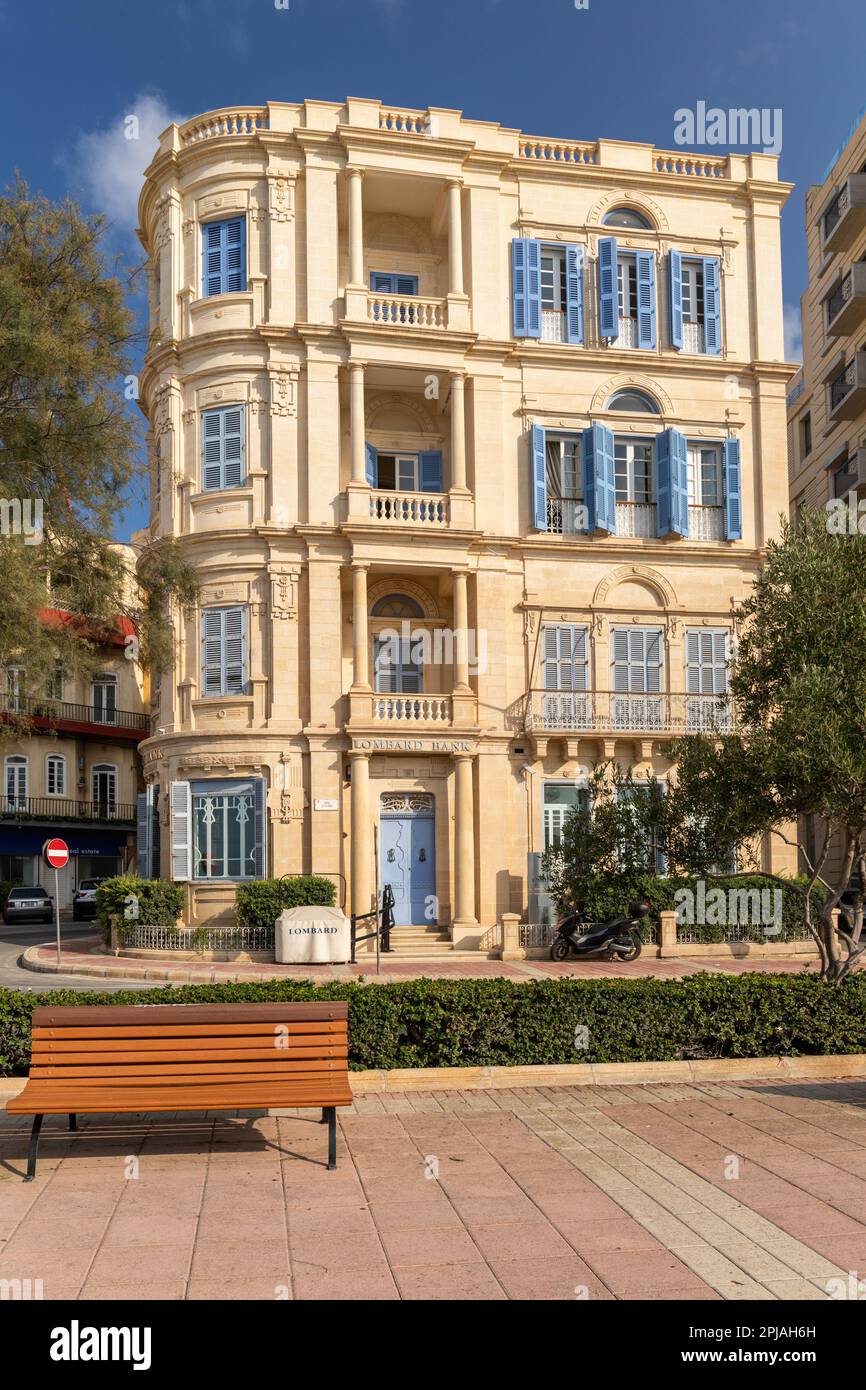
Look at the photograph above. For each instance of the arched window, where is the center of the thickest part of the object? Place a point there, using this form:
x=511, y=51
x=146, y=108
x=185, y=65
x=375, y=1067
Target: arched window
x=55, y=775
x=626, y=217
x=636, y=401
x=104, y=783
x=16, y=783
x=397, y=606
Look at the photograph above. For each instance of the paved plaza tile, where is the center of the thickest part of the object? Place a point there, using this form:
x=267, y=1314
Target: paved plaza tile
x=673, y=1192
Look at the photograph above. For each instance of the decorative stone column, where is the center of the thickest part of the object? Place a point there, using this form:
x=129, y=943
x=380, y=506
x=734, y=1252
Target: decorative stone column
x=356, y=289
x=461, y=633
x=361, y=837
x=361, y=656
x=358, y=490
x=465, y=922
x=459, y=496
x=458, y=302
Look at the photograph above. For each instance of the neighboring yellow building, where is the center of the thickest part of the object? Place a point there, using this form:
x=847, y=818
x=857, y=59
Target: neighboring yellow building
x=827, y=397
x=475, y=440
x=77, y=774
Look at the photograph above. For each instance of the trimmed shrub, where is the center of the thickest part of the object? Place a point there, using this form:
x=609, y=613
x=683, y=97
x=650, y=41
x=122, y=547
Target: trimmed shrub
x=260, y=902
x=496, y=1022
x=608, y=895
x=159, y=903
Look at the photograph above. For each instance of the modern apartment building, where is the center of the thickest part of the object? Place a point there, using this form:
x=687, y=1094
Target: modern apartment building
x=827, y=396
x=475, y=440
x=75, y=773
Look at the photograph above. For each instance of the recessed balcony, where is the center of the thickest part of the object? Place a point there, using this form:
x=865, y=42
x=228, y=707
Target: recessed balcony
x=426, y=509
x=848, y=390
x=845, y=306
x=590, y=712
x=845, y=217
x=406, y=311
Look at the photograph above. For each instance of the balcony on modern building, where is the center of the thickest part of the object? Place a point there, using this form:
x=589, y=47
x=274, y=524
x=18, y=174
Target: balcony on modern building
x=848, y=390
x=849, y=475
x=57, y=810
x=844, y=217
x=615, y=712
x=407, y=463
x=403, y=260
x=100, y=721
x=845, y=305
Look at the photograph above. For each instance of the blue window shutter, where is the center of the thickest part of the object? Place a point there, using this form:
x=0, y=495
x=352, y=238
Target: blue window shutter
x=671, y=474
x=381, y=283
x=526, y=287
x=430, y=471
x=646, y=299
x=406, y=284
x=574, y=293
x=733, y=491
x=539, y=479
x=260, y=853
x=599, y=486
x=235, y=651
x=222, y=447
x=675, y=292
x=224, y=256
x=144, y=826
x=680, y=483
x=608, y=291
x=712, y=307
x=180, y=802
x=235, y=263
x=212, y=651
x=372, y=465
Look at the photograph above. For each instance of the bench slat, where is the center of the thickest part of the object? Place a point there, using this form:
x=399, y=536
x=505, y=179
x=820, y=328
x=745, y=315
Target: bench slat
x=272, y=1042
x=287, y=1067
x=201, y=1054
x=180, y=1029
x=114, y=1015
x=246, y=1095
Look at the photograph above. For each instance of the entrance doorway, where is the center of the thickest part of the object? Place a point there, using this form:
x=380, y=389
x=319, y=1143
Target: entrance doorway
x=407, y=853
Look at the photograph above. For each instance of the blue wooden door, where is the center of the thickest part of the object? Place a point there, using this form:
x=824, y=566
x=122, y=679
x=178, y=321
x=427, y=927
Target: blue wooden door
x=408, y=855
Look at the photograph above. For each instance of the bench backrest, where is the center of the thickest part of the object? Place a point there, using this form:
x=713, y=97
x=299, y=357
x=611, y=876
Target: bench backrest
x=103, y=1045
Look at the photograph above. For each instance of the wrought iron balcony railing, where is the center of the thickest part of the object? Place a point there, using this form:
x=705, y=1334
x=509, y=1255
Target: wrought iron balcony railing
x=560, y=711
x=56, y=808
x=59, y=712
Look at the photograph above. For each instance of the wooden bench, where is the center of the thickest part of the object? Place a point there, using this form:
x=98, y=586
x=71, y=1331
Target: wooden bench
x=148, y=1058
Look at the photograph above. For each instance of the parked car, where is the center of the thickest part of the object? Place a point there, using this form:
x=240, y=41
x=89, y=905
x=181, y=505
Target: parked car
x=28, y=905
x=84, y=900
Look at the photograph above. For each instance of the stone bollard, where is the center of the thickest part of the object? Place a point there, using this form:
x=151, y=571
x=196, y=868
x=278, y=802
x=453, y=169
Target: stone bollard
x=511, y=948
x=668, y=934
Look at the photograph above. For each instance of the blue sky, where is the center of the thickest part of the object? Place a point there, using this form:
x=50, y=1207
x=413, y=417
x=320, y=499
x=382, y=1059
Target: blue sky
x=71, y=72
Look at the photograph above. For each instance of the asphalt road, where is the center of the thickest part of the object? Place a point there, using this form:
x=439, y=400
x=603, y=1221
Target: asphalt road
x=14, y=940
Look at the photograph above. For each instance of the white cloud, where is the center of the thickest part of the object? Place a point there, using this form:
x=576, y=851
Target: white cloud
x=793, y=333
x=110, y=163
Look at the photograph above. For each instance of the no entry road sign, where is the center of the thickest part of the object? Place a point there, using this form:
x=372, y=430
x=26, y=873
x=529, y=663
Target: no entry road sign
x=56, y=853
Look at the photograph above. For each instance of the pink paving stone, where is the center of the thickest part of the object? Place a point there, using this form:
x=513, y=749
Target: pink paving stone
x=350, y=1250
x=411, y=1216
x=653, y=1272
x=567, y=1278
x=430, y=1245
x=457, y=1282
x=374, y=1282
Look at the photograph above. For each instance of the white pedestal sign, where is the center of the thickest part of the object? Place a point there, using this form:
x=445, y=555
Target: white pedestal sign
x=316, y=934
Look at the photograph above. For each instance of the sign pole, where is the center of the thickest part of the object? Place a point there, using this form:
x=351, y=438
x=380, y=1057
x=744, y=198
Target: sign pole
x=57, y=910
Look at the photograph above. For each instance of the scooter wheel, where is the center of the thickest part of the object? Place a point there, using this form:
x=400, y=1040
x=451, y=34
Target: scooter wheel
x=559, y=949
x=630, y=952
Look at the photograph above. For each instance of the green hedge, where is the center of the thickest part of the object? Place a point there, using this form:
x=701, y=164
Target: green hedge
x=260, y=902
x=608, y=896
x=495, y=1022
x=159, y=903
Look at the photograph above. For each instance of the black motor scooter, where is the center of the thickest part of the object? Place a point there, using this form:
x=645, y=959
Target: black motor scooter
x=619, y=939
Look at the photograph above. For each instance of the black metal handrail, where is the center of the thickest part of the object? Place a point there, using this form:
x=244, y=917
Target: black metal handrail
x=65, y=808
x=58, y=711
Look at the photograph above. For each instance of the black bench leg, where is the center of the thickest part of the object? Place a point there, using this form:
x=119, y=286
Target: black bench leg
x=34, y=1145
x=73, y=1123
x=324, y=1119
x=332, y=1136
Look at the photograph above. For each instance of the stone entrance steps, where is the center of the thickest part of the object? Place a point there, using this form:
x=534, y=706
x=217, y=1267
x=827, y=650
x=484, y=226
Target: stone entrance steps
x=420, y=941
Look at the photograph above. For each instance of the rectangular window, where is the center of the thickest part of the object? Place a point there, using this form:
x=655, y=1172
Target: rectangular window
x=15, y=701
x=704, y=471
x=385, y=282
x=565, y=670
x=55, y=776
x=554, y=295
x=564, y=475
x=627, y=285
x=224, y=651
x=224, y=256
x=706, y=653
x=633, y=470
x=805, y=435
x=227, y=829
x=222, y=448
x=398, y=667
x=104, y=697
x=399, y=472
x=637, y=659
x=656, y=860
x=559, y=799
